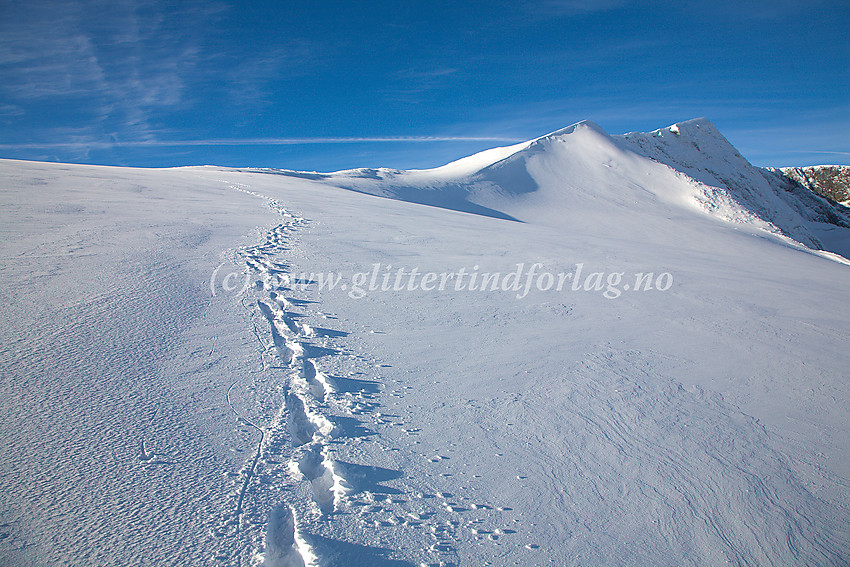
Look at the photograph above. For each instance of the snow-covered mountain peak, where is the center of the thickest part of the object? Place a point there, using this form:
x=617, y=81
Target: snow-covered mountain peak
x=578, y=126
x=583, y=174
x=475, y=163
x=688, y=144
x=731, y=188
x=694, y=126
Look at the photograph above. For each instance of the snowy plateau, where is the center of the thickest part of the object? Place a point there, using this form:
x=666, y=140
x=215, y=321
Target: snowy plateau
x=579, y=350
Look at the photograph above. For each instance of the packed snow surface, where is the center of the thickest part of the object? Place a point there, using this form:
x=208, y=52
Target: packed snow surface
x=579, y=350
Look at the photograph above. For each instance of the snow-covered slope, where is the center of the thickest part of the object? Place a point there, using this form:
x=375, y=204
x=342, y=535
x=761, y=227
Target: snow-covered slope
x=616, y=359
x=736, y=190
x=584, y=171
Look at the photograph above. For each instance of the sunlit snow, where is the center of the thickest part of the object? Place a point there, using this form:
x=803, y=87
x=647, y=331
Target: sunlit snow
x=649, y=366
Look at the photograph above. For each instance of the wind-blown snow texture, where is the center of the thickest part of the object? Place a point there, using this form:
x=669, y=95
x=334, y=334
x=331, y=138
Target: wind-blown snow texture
x=177, y=389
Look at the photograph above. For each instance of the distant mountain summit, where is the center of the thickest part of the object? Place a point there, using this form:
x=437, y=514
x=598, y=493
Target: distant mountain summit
x=578, y=174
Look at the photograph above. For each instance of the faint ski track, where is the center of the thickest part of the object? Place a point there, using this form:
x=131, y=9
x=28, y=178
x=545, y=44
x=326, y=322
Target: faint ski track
x=250, y=472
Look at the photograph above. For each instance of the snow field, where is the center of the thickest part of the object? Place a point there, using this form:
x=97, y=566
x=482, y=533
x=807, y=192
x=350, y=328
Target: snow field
x=176, y=389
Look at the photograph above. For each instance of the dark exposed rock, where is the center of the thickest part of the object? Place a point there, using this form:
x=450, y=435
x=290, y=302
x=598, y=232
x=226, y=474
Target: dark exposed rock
x=830, y=181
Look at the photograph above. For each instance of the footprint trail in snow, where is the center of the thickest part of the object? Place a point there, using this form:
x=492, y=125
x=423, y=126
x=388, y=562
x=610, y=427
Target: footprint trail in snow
x=299, y=495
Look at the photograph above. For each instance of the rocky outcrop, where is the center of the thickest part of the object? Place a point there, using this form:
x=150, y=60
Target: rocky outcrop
x=830, y=181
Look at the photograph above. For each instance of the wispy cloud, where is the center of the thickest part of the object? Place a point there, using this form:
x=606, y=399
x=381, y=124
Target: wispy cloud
x=426, y=74
x=39, y=65
x=819, y=152
x=574, y=7
x=10, y=110
x=249, y=78
x=808, y=139
x=766, y=10
x=110, y=66
x=77, y=144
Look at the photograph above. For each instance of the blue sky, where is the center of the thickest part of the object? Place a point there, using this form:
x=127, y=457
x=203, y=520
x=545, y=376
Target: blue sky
x=324, y=85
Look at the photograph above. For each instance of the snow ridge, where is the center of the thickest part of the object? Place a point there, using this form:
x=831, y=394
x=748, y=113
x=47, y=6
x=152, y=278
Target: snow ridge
x=705, y=172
